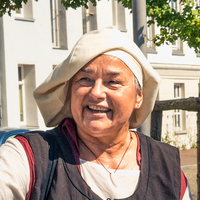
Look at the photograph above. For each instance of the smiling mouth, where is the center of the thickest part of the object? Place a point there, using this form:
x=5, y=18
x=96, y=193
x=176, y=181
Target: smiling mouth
x=98, y=109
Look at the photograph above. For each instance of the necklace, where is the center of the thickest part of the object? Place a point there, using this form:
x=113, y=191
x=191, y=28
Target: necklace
x=112, y=174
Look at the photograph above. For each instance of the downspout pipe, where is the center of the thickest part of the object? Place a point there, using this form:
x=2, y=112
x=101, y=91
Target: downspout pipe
x=140, y=38
x=3, y=96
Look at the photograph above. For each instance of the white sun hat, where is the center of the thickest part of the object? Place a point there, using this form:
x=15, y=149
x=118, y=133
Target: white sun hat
x=53, y=95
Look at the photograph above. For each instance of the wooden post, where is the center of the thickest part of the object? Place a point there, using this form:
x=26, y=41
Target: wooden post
x=190, y=104
x=0, y=115
x=198, y=151
x=198, y=155
x=156, y=125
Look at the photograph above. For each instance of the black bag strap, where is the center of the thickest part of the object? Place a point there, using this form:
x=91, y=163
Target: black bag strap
x=52, y=163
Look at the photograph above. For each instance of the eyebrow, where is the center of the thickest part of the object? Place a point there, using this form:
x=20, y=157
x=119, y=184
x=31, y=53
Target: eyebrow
x=87, y=70
x=91, y=72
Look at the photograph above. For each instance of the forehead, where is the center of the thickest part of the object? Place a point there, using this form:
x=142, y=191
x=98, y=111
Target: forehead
x=106, y=63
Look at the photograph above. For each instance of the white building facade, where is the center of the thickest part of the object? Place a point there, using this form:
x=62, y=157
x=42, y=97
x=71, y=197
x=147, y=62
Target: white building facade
x=41, y=35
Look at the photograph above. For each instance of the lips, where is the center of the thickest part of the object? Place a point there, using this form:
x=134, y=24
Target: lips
x=98, y=109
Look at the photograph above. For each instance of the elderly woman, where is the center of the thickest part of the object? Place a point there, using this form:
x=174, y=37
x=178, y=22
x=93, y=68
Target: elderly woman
x=103, y=90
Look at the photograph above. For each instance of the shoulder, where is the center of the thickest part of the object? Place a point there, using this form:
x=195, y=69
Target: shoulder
x=159, y=147
x=42, y=138
x=14, y=170
x=13, y=148
x=42, y=143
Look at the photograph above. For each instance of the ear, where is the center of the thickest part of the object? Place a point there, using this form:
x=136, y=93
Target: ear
x=139, y=100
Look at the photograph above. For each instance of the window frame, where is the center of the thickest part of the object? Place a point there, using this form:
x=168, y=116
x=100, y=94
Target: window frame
x=26, y=12
x=89, y=18
x=119, y=16
x=177, y=46
x=197, y=3
x=22, y=102
x=58, y=25
x=54, y=23
x=179, y=115
x=151, y=47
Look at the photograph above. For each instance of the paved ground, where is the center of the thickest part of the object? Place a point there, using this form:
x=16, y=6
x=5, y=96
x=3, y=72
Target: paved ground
x=188, y=157
x=189, y=167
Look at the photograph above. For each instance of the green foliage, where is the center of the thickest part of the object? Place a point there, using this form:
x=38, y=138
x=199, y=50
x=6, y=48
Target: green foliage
x=167, y=139
x=175, y=140
x=194, y=145
x=183, y=147
x=7, y=6
x=172, y=24
x=77, y=3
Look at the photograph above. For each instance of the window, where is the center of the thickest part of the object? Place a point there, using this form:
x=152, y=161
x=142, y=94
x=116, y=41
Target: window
x=175, y=5
x=20, y=12
x=151, y=48
x=21, y=94
x=26, y=11
x=197, y=3
x=179, y=115
x=89, y=18
x=58, y=24
x=119, y=15
x=177, y=46
x=27, y=106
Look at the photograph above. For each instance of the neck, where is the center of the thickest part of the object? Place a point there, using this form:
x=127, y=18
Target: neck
x=110, y=153
x=105, y=139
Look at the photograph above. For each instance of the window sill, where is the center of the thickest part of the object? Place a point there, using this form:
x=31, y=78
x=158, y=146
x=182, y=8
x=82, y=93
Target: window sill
x=123, y=30
x=60, y=48
x=24, y=19
x=177, y=52
x=181, y=132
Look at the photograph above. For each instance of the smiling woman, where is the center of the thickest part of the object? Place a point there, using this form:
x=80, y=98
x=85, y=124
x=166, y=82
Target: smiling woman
x=94, y=98
x=103, y=97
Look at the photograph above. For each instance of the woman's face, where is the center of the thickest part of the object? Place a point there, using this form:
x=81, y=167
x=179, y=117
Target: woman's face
x=103, y=96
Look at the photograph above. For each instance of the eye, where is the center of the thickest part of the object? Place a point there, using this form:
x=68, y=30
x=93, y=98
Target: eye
x=114, y=84
x=85, y=82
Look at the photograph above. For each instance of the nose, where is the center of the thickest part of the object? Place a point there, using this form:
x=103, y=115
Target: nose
x=98, y=90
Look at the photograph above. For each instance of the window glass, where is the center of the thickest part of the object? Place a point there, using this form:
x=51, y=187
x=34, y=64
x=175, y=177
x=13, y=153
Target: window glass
x=58, y=24
x=21, y=92
x=26, y=11
x=27, y=105
x=119, y=19
x=21, y=103
x=179, y=115
x=89, y=19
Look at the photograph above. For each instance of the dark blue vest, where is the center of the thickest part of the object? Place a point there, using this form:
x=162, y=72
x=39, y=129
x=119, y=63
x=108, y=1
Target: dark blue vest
x=58, y=177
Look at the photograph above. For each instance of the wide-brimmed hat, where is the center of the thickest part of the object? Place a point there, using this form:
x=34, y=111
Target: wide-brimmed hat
x=53, y=95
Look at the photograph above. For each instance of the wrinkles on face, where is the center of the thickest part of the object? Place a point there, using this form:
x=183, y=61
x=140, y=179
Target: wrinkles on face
x=103, y=96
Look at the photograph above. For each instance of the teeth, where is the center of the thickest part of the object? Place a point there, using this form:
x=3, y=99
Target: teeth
x=98, y=108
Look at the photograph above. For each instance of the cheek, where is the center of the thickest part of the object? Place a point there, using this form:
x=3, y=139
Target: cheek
x=124, y=103
x=77, y=100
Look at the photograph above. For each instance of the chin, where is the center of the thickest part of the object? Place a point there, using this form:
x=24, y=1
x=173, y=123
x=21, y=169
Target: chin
x=97, y=127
